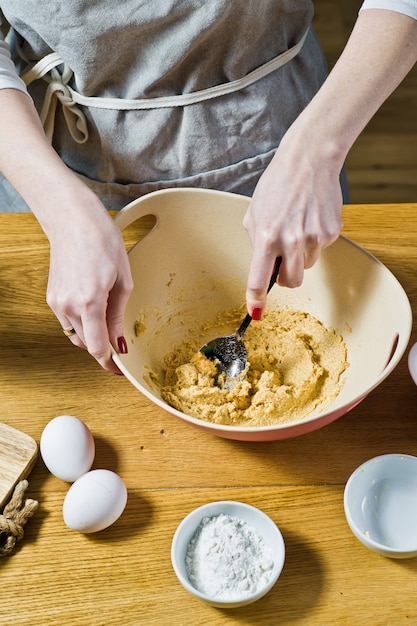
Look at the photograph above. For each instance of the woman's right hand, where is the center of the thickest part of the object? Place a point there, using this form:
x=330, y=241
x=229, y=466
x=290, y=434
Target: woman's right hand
x=90, y=279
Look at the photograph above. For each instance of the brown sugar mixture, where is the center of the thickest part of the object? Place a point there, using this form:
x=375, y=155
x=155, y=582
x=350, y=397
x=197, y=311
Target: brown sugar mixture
x=295, y=367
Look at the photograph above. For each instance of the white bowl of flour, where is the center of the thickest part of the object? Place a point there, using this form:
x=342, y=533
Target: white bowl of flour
x=228, y=553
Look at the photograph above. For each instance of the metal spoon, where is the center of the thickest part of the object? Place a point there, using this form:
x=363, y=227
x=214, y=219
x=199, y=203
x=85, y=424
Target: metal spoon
x=229, y=352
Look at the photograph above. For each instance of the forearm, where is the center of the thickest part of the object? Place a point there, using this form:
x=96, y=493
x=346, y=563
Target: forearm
x=89, y=278
x=380, y=52
x=296, y=209
x=32, y=166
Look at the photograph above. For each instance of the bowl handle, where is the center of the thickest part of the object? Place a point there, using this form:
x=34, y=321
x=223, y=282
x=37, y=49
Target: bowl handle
x=132, y=212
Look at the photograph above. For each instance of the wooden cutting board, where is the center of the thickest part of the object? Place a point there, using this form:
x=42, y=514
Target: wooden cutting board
x=18, y=454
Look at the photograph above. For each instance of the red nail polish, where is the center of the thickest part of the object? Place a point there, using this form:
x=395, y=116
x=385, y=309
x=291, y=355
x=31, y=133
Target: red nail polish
x=122, y=345
x=256, y=314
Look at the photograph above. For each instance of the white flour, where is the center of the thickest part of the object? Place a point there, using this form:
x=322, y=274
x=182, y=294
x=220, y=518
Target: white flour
x=227, y=559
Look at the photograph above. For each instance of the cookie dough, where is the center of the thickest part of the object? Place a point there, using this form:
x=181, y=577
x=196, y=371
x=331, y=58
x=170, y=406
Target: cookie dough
x=295, y=366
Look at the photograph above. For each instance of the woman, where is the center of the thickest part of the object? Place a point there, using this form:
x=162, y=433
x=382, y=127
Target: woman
x=141, y=96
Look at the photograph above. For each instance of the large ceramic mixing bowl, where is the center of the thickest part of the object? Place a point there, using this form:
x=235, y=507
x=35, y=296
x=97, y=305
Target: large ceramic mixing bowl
x=194, y=264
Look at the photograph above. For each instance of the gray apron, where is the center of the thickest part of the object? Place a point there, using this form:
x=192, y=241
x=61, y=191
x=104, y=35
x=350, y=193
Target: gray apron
x=139, y=95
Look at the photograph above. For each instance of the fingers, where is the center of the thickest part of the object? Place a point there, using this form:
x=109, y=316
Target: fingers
x=90, y=332
x=94, y=323
x=260, y=273
x=93, y=335
x=116, y=306
x=291, y=274
x=298, y=240
x=69, y=330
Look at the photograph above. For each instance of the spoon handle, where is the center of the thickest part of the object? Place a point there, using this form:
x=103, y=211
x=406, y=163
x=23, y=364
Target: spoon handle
x=247, y=320
x=274, y=273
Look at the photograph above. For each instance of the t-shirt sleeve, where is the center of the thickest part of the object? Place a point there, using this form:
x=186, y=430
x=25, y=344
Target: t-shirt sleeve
x=9, y=78
x=408, y=7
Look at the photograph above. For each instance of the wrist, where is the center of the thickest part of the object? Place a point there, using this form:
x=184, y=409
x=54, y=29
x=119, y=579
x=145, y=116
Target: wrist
x=66, y=204
x=321, y=140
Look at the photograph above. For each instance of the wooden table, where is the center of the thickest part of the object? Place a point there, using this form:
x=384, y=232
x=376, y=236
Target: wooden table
x=123, y=575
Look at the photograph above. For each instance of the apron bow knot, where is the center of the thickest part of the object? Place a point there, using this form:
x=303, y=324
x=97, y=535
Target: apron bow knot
x=58, y=90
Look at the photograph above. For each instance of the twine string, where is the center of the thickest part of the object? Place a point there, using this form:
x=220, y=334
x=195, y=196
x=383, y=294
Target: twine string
x=14, y=517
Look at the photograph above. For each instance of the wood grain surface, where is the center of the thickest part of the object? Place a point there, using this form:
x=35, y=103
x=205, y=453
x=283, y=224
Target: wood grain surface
x=123, y=575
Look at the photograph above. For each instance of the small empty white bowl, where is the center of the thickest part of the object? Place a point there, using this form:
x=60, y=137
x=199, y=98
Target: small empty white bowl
x=259, y=521
x=380, y=503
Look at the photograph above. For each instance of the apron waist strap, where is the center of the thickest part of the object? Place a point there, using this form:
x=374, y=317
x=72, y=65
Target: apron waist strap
x=59, y=89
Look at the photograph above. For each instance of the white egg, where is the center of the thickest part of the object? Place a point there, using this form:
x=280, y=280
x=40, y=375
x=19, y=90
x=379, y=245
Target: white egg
x=94, y=501
x=67, y=447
